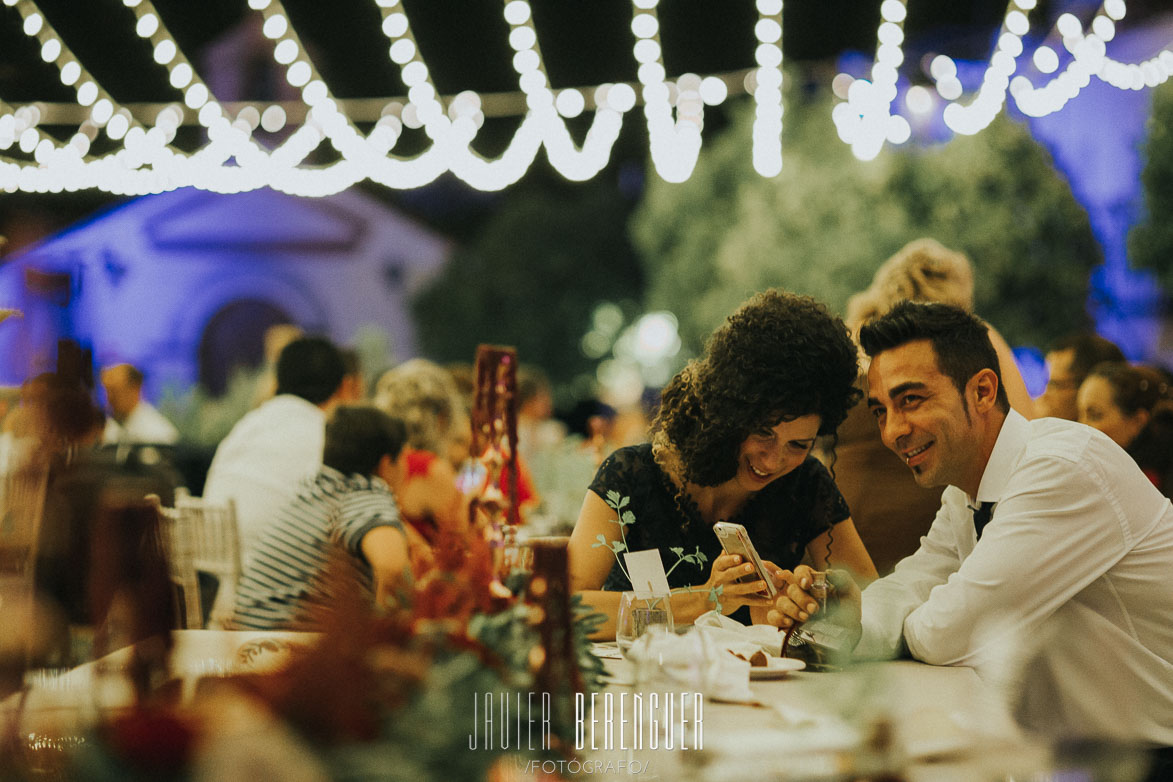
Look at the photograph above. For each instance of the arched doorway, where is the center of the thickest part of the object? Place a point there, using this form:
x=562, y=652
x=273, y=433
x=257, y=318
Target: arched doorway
x=235, y=339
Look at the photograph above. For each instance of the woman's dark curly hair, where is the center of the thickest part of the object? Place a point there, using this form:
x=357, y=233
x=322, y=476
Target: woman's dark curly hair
x=780, y=356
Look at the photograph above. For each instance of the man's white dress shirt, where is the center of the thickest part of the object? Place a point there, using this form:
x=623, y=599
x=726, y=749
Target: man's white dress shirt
x=1066, y=602
x=144, y=425
x=263, y=459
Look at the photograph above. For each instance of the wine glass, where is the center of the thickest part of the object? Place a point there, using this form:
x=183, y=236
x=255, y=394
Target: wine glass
x=637, y=615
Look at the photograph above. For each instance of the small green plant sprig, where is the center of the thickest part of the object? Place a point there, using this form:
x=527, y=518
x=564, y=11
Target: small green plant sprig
x=625, y=518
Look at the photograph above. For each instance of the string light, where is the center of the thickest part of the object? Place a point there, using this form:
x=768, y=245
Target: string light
x=1089, y=58
x=865, y=120
x=232, y=160
x=767, y=89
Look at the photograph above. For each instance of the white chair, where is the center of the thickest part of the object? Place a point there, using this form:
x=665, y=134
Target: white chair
x=179, y=545
x=21, y=509
x=216, y=550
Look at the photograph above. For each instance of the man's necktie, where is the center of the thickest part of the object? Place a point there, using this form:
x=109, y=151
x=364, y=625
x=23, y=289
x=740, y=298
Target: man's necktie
x=981, y=516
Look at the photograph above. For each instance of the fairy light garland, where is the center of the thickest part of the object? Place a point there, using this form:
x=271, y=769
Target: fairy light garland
x=767, y=89
x=234, y=160
x=865, y=120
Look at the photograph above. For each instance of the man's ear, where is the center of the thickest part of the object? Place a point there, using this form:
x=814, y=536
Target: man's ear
x=983, y=390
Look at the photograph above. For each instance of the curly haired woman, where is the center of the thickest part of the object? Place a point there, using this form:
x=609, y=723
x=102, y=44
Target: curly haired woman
x=732, y=442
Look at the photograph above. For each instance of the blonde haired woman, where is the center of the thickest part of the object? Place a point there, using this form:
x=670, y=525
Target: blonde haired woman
x=424, y=396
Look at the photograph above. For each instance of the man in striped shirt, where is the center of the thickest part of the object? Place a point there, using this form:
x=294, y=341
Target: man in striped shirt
x=348, y=506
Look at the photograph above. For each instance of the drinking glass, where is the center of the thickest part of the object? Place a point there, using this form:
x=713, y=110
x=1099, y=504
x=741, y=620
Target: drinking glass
x=638, y=615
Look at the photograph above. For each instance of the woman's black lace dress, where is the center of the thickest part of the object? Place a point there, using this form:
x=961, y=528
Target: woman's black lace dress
x=781, y=519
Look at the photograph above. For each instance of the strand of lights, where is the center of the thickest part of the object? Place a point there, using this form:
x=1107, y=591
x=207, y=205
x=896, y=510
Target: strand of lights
x=991, y=96
x=865, y=121
x=674, y=144
x=324, y=121
x=548, y=112
x=767, y=89
x=233, y=160
x=227, y=139
x=47, y=154
x=1088, y=59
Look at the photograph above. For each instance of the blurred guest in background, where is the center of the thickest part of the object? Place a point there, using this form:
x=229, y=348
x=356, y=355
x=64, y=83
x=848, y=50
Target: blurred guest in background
x=277, y=445
x=82, y=483
x=353, y=387
x=1134, y=406
x=1068, y=362
x=132, y=419
x=275, y=339
x=890, y=511
x=537, y=430
x=424, y=396
x=348, y=507
x=592, y=422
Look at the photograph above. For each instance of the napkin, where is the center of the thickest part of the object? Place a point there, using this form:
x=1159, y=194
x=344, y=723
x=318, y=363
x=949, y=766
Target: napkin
x=689, y=662
x=721, y=631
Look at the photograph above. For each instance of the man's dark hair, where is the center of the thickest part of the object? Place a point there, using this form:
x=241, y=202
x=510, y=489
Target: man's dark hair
x=310, y=367
x=960, y=340
x=359, y=436
x=134, y=376
x=1087, y=350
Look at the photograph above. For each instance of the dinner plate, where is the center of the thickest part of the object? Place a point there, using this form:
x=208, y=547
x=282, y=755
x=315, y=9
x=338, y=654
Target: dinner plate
x=776, y=668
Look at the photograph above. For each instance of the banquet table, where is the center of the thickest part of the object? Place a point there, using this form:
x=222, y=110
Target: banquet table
x=60, y=703
x=944, y=723
x=941, y=723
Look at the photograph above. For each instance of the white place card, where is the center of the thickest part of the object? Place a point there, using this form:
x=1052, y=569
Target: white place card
x=646, y=569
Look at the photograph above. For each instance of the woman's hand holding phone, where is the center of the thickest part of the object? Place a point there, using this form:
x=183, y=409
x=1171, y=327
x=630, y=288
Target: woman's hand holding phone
x=725, y=572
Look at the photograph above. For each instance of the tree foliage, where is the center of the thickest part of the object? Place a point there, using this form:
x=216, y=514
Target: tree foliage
x=532, y=279
x=828, y=221
x=1150, y=243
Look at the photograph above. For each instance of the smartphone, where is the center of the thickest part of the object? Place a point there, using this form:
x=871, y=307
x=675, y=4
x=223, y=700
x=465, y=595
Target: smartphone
x=735, y=540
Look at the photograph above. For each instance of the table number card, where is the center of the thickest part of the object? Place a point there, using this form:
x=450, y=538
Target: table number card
x=646, y=569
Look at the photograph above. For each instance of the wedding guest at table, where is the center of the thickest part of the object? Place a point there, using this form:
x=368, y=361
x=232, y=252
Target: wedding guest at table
x=424, y=396
x=538, y=432
x=133, y=420
x=1134, y=406
x=82, y=482
x=890, y=511
x=1068, y=362
x=1047, y=566
x=348, y=506
x=277, y=445
x=353, y=382
x=276, y=338
x=732, y=441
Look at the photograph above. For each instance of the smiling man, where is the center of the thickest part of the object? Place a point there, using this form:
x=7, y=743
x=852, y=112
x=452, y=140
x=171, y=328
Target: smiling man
x=1048, y=566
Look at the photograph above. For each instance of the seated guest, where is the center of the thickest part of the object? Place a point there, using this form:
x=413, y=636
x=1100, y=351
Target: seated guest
x=1134, y=406
x=424, y=396
x=133, y=420
x=1047, y=566
x=1068, y=362
x=348, y=506
x=732, y=441
x=890, y=511
x=276, y=446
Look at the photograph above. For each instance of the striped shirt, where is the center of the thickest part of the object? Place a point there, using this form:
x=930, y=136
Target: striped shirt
x=330, y=512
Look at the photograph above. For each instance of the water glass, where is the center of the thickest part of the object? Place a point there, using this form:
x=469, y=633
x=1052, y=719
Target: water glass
x=638, y=615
